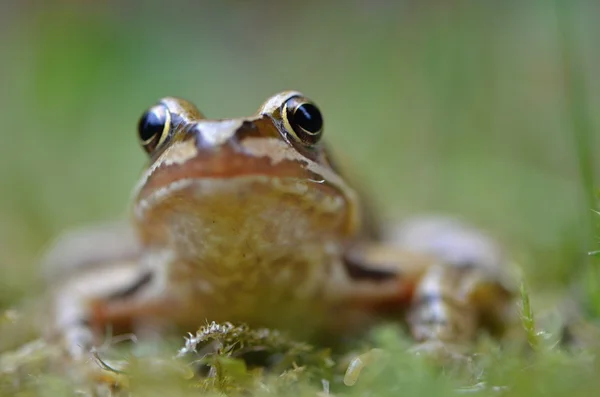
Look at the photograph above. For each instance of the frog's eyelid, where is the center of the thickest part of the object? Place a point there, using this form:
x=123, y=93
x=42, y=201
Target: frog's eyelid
x=274, y=104
x=182, y=108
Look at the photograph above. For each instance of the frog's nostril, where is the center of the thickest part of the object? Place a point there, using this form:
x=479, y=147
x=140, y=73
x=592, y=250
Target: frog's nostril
x=211, y=134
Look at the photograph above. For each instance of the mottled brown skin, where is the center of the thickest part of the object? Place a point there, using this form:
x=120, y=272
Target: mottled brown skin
x=246, y=220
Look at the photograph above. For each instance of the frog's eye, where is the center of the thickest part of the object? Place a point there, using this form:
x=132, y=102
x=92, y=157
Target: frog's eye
x=302, y=120
x=153, y=127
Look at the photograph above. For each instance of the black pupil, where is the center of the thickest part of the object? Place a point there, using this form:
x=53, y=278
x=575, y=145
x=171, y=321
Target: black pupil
x=308, y=117
x=151, y=123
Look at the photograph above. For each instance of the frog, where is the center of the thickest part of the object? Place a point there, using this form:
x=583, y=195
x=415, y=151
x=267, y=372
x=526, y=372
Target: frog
x=251, y=220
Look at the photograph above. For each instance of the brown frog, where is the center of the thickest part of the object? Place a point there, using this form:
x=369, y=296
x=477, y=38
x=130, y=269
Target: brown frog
x=249, y=220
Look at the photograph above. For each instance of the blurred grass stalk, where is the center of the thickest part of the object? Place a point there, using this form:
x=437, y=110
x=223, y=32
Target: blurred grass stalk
x=581, y=125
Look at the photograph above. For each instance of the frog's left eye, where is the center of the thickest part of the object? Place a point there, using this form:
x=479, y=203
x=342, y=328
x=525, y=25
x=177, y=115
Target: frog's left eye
x=303, y=120
x=153, y=127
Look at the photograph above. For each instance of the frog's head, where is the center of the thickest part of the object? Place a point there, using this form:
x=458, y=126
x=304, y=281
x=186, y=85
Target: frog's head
x=267, y=177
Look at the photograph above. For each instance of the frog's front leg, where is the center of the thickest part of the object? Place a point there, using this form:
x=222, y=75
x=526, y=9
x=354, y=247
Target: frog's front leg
x=451, y=281
x=451, y=304
x=107, y=299
x=98, y=282
x=466, y=288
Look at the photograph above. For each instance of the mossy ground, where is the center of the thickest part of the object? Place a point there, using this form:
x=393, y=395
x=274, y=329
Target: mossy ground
x=235, y=360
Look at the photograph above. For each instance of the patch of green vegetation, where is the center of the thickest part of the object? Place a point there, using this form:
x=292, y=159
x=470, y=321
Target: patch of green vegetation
x=235, y=360
x=227, y=349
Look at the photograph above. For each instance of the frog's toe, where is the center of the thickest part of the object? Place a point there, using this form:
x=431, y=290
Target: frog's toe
x=443, y=354
x=112, y=382
x=94, y=376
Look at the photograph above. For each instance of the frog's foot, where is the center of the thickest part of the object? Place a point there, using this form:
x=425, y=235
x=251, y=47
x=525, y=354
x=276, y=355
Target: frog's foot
x=103, y=374
x=78, y=341
x=468, y=286
x=86, y=365
x=97, y=366
x=114, y=375
x=441, y=353
x=78, y=332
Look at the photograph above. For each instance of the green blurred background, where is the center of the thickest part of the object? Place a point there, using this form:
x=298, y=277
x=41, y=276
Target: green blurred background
x=485, y=109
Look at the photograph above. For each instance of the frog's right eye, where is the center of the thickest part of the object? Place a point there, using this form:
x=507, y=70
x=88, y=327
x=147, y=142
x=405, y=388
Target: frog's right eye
x=153, y=127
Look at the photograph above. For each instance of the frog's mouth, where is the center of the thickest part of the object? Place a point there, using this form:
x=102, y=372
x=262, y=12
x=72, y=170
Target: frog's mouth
x=235, y=185
x=226, y=163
